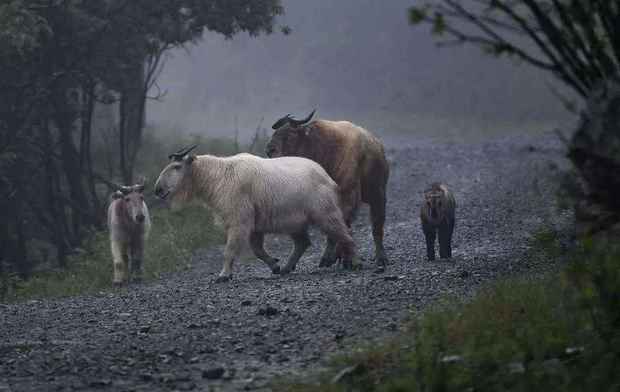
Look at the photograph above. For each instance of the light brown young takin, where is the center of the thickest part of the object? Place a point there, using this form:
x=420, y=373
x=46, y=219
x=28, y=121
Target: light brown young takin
x=254, y=196
x=438, y=217
x=129, y=224
x=352, y=156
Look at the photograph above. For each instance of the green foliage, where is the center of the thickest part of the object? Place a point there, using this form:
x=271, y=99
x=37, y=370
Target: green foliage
x=417, y=15
x=61, y=63
x=174, y=237
x=576, y=41
x=547, y=241
x=559, y=333
x=20, y=29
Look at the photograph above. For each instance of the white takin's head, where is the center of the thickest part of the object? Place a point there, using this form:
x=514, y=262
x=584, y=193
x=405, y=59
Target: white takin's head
x=171, y=178
x=132, y=202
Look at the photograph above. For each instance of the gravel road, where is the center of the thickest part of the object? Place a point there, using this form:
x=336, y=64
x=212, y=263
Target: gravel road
x=186, y=333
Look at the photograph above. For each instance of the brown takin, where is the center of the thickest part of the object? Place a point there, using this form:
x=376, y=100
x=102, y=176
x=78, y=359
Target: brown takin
x=352, y=156
x=438, y=217
x=129, y=224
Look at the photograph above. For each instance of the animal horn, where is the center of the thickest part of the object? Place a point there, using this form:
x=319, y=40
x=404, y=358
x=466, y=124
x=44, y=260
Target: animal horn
x=301, y=122
x=182, y=152
x=284, y=120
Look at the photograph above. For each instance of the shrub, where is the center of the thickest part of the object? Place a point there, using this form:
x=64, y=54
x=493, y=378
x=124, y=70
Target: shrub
x=557, y=333
x=175, y=235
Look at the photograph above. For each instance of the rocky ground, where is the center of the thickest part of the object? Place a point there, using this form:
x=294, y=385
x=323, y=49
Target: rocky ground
x=186, y=333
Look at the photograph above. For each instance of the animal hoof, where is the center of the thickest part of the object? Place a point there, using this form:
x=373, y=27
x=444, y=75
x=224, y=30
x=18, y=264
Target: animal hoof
x=222, y=279
x=287, y=269
x=276, y=270
x=325, y=262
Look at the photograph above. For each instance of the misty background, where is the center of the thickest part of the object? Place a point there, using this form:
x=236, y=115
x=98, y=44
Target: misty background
x=358, y=60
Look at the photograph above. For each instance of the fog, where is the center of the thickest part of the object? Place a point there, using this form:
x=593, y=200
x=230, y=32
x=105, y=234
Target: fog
x=358, y=60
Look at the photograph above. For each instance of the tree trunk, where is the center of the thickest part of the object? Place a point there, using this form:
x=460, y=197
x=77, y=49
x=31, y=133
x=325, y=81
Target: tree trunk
x=86, y=154
x=132, y=111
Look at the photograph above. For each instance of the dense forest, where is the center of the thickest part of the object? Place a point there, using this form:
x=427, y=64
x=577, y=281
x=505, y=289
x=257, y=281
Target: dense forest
x=75, y=77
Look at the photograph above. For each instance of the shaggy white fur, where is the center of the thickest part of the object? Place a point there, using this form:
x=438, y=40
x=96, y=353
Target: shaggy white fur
x=129, y=223
x=254, y=196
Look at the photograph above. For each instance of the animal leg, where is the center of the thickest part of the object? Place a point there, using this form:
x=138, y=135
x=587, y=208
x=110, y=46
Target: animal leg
x=120, y=261
x=337, y=231
x=377, y=217
x=329, y=254
x=237, y=236
x=256, y=242
x=429, y=233
x=137, y=256
x=302, y=242
x=445, y=240
x=350, y=201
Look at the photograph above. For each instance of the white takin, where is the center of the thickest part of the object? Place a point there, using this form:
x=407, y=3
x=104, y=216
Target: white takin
x=129, y=224
x=255, y=196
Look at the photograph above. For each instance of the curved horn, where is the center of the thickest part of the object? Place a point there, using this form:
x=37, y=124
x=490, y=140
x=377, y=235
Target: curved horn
x=281, y=121
x=182, y=152
x=302, y=122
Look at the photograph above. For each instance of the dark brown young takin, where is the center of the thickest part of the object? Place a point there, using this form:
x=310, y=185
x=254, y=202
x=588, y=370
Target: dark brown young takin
x=354, y=159
x=438, y=217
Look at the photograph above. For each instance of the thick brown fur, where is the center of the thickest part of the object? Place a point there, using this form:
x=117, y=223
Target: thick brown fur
x=438, y=217
x=354, y=158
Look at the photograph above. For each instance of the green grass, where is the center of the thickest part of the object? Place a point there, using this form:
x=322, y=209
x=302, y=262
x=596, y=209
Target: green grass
x=175, y=235
x=512, y=336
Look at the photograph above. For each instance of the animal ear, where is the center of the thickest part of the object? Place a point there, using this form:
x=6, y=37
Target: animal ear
x=139, y=188
x=189, y=159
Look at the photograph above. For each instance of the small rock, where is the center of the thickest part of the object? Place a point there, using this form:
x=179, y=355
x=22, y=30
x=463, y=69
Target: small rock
x=146, y=376
x=516, y=368
x=144, y=329
x=124, y=315
x=268, y=311
x=451, y=359
x=246, y=303
x=214, y=373
x=573, y=350
x=100, y=383
x=166, y=377
x=186, y=386
x=390, y=278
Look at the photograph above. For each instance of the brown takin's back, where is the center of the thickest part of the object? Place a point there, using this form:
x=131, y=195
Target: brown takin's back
x=348, y=153
x=353, y=158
